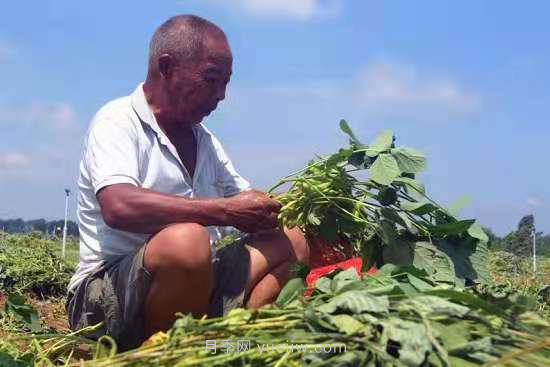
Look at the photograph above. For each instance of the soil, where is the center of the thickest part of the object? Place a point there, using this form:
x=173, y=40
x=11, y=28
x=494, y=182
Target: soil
x=52, y=311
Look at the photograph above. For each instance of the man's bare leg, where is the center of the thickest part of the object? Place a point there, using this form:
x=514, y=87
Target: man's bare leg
x=269, y=287
x=271, y=253
x=179, y=259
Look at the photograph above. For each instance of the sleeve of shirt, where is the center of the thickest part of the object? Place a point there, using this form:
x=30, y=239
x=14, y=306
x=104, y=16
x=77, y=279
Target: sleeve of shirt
x=112, y=153
x=232, y=182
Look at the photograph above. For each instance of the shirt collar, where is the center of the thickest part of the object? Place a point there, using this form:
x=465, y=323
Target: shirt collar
x=144, y=113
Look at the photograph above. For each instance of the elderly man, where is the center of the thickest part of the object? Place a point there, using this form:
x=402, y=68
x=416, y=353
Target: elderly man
x=155, y=185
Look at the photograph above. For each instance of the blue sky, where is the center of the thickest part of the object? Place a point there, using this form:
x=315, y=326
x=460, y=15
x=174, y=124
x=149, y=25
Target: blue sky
x=466, y=82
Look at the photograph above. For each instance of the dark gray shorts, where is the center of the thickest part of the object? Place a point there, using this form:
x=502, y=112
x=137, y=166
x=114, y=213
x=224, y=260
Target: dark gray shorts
x=115, y=294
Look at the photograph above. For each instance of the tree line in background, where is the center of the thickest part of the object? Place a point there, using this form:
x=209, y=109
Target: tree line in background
x=53, y=227
x=520, y=241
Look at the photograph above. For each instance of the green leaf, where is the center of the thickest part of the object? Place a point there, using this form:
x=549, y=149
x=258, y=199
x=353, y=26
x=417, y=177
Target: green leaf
x=343, y=278
x=23, y=312
x=345, y=224
x=386, y=270
x=408, y=223
x=290, y=291
x=406, y=340
x=409, y=160
x=356, y=301
x=346, y=129
x=452, y=334
x=410, y=269
x=345, y=359
x=7, y=360
x=384, y=169
x=342, y=156
x=16, y=300
x=348, y=325
x=418, y=283
x=418, y=208
x=387, y=196
x=357, y=159
x=382, y=143
x=456, y=206
x=399, y=253
x=469, y=300
x=387, y=232
x=452, y=228
x=396, y=217
x=430, y=305
x=459, y=362
x=476, y=231
x=434, y=261
x=480, y=263
x=480, y=350
x=416, y=186
x=371, y=251
x=323, y=285
x=470, y=259
x=317, y=321
x=329, y=228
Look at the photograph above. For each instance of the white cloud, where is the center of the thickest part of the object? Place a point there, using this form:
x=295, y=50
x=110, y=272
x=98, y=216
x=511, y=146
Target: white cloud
x=302, y=10
x=58, y=115
x=377, y=90
x=14, y=160
x=392, y=85
x=534, y=201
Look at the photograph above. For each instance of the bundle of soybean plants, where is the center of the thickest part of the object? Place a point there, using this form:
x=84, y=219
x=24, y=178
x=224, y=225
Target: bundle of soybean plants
x=369, y=198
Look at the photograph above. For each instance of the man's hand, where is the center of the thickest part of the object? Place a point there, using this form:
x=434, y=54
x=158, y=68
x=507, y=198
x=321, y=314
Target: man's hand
x=252, y=211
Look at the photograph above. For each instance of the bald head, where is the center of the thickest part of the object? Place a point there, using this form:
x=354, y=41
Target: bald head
x=183, y=37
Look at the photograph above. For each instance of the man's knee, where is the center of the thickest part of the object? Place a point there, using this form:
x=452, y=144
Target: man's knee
x=183, y=247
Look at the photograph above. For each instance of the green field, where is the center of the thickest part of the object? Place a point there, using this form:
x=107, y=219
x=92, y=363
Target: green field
x=35, y=332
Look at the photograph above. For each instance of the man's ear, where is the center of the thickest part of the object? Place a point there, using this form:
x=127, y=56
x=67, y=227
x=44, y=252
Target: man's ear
x=165, y=65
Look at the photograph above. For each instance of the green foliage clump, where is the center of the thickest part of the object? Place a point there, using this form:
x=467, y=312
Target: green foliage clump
x=31, y=263
x=369, y=195
x=520, y=242
x=398, y=317
x=516, y=273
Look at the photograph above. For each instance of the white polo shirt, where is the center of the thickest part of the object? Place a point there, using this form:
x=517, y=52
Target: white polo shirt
x=124, y=144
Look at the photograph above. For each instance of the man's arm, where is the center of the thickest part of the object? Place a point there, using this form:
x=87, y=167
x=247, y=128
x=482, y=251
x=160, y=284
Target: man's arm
x=133, y=209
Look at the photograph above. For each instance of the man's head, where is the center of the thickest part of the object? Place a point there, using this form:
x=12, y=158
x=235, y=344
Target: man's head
x=190, y=64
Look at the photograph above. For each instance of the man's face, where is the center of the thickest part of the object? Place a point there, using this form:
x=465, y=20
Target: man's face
x=196, y=88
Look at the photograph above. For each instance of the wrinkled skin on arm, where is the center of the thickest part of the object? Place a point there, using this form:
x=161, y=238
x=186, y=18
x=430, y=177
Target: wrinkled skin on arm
x=132, y=209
